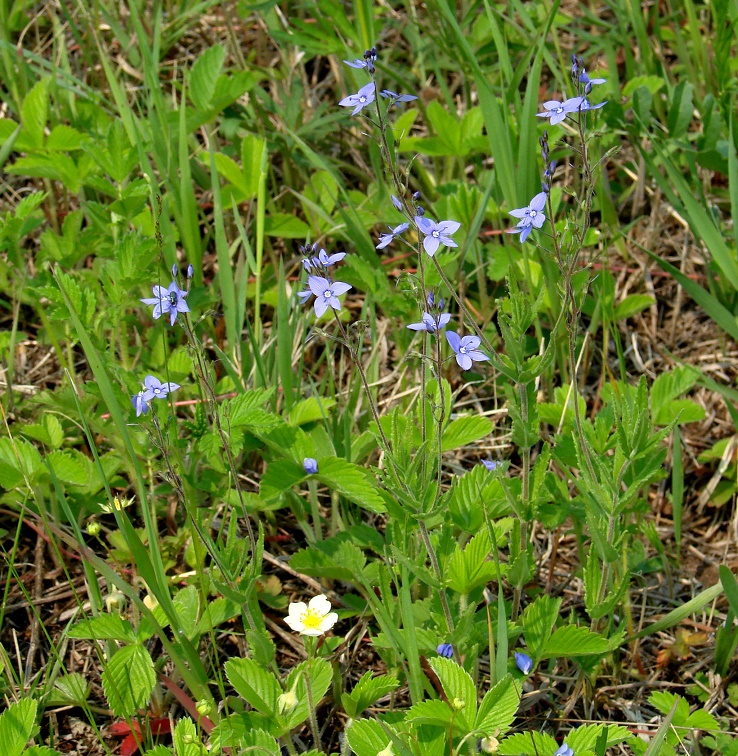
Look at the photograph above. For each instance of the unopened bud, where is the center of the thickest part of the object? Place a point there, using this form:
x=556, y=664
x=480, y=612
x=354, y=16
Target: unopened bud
x=204, y=708
x=287, y=702
x=458, y=704
x=93, y=528
x=416, y=196
x=150, y=602
x=489, y=745
x=175, y=270
x=420, y=211
x=115, y=601
x=190, y=271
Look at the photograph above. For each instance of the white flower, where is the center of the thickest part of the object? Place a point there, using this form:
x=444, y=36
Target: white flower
x=314, y=618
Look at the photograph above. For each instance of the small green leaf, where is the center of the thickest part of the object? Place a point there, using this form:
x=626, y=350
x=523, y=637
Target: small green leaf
x=16, y=726
x=570, y=640
x=368, y=690
x=538, y=621
x=104, y=627
x=285, y=226
x=465, y=430
x=632, y=305
x=128, y=680
x=254, y=684
x=457, y=685
x=204, y=76
x=436, y=712
x=367, y=737
x=498, y=708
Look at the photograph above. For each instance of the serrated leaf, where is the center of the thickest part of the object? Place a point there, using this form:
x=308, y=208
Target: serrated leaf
x=469, y=568
x=64, y=138
x=187, y=606
x=436, y=712
x=368, y=690
x=321, y=674
x=570, y=640
x=498, y=708
x=34, y=113
x=128, y=680
x=71, y=689
x=104, y=627
x=254, y=684
x=457, y=684
x=16, y=726
x=185, y=740
x=465, y=430
x=367, y=737
x=584, y=737
x=18, y=460
x=204, y=76
x=538, y=621
x=528, y=744
x=70, y=466
x=352, y=481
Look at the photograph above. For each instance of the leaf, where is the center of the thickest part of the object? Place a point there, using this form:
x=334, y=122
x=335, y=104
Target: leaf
x=352, y=481
x=104, y=627
x=570, y=640
x=16, y=726
x=285, y=226
x=187, y=606
x=463, y=431
x=367, y=737
x=70, y=466
x=368, y=690
x=528, y=744
x=204, y=76
x=457, y=684
x=584, y=737
x=437, y=713
x=538, y=621
x=128, y=680
x=310, y=410
x=254, y=684
x=252, y=149
x=321, y=674
x=469, y=568
x=632, y=305
x=64, y=138
x=730, y=586
x=72, y=689
x=34, y=113
x=498, y=708
x=185, y=740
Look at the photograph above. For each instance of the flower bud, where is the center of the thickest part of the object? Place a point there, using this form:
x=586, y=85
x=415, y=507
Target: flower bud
x=115, y=601
x=93, y=528
x=416, y=196
x=204, y=708
x=458, y=704
x=190, y=271
x=150, y=602
x=489, y=745
x=420, y=211
x=175, y=270
x=287, y=702
x=310, y=465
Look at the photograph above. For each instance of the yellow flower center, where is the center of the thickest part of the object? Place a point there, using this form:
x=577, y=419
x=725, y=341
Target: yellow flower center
x=311, y=619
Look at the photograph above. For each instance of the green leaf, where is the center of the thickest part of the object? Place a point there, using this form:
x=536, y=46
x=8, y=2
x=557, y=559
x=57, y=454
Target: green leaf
x=185, y=740
x=104, y=627
x=285, y=226
x=652, y=84
x=436, y=712
x=64, y=138
x=71, y=689
x=632, y=305
x=367, y=737
x=463, y=431
x=528, y=744
x=498, y=708
x=310, y=410
x=570, y=640
x=204, y=76
x=368, y=690
x=457, y=684
x=680, y=110
x=254, y=684
x=34, y=113
x=538, y=621
x=16, y=726
x=71, y=466
x=128, y=680
x=352, y=481
x=187, y=606
x=584, y=737
x=252, y=149
x=730, y=586
x=469, y=568
x=321, y=674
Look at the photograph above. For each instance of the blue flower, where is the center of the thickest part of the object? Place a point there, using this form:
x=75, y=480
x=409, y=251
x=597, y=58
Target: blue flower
x=310, y=465
x=564, y=750
x=465, y=349
x=155, y=389
x=584, y=79
x=431, y=323
x=386, y=239
x=523, y=662
x=326, y=293
x=396, y=202
x=140, y=404
x=356, y=63
x=169, y=300
x=190, y=271
x=327, y=260
x=446, y=650
x=557, y=111
x=361, y=99
x=531, y=216
x=437, y=233
x=397, y=97
x=586, y=105
x=491, y=465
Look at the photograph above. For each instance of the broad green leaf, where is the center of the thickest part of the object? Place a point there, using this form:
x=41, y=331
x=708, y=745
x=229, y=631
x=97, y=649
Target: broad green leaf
x=352, y=481
x=285, y=226
x=252, y=149
x=570, y=640
x=469, y=568
x=104, y=627
x=64, y=138
x=254, y=684
x=498, y=708
x=185, y=740
x=458, y=686
x=528, y=744
x=652, y=83
x=71, y=689
x=34, y=113
x=204, y=76
x=367, y=737
x=187, y=605
x=436, y=712
x=730, y=586
x=128, y=680
x=584, y=737
x=465, y=430
x=70, y=466
x=310, y=410
x=321, y=674
x=538, y=621
x=632, y=305
x=16, y=726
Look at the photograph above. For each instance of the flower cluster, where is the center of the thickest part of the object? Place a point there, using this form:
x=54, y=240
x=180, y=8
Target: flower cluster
x=325, y=291
x=434, y=318
x=152, y=389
